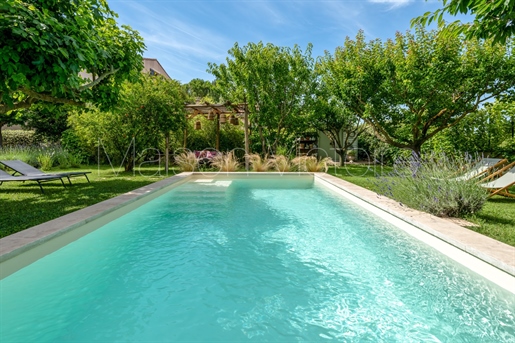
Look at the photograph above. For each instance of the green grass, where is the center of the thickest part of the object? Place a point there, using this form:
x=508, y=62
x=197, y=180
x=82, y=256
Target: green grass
x=23, y=205
x=496, y=219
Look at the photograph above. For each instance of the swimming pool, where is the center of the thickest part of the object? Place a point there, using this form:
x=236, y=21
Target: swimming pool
x=251, y=259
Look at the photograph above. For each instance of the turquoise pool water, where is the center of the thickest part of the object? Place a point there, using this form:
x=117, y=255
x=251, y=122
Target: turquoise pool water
x=251, y=260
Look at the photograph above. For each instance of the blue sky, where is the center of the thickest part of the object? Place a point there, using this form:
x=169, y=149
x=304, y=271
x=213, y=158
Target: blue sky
x=185, y=35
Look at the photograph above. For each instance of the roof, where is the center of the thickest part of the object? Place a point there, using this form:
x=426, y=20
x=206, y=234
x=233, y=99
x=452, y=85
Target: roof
x=152, y=66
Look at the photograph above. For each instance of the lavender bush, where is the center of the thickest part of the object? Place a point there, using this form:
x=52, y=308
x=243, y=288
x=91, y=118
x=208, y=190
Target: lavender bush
x=430, y=184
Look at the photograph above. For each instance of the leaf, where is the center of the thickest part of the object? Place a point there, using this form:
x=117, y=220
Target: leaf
x=64, y=52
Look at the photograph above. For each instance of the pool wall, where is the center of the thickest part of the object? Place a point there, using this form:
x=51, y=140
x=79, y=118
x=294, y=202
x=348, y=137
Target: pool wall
x=490, y=258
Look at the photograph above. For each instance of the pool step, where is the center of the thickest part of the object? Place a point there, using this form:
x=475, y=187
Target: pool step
x=197, y=198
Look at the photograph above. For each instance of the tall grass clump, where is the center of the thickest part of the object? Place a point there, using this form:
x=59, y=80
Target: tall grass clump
x=281, y=163
x=187, y=161
x=226, y=162
x=259, y=164
x=311, y=164
x=46, y=159
x=430, y=184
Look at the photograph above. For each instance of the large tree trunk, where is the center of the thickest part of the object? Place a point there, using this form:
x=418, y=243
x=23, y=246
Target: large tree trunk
x=1, y=138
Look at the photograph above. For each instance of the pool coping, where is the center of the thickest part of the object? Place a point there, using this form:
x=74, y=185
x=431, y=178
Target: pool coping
x=19, y=242
x=491, y=251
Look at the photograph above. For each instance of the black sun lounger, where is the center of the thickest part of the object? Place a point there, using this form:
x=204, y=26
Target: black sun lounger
x=5, y=177
x=25, y=169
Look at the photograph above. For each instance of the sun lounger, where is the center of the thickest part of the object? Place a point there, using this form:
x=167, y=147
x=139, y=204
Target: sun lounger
x=484, y=166
x=501, y=185
x=25, y=169
x=5, y=177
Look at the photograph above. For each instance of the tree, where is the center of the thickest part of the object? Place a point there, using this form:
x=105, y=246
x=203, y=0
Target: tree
x=150, y=109
x=411, y=88
x=339, y=123
x=198, y=88
x=160, y=102
x=45, y=45
x=493, y=19
x=277, y=83
x=487, y=131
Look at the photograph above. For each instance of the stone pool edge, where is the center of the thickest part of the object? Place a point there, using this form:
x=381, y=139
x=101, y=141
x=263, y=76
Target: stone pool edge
x=19, y=242
x=489, y=250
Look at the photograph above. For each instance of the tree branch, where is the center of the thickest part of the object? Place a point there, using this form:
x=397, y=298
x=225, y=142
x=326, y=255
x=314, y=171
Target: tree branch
x=50, y=98
x=383, y=136
x=97, y=80
x=17, y=106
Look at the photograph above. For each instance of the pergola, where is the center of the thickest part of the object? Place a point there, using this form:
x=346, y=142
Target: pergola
x=220, y=113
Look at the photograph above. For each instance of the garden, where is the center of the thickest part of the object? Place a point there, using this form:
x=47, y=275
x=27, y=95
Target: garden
x=406, y=117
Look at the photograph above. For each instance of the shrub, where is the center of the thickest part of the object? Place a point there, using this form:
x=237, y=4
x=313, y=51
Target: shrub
x=281, y=163
x=46, y=159
x=259, y=164
x=225, y=162
x=71, y=143
x=18, y=138
x=429, y=184
x=186, y=161
x=66, y=159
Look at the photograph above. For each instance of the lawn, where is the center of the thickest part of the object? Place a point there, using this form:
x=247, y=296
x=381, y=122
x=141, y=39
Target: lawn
x=496, y=219
x=23, y=205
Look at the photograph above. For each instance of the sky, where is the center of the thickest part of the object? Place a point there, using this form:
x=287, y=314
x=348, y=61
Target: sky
x=184, y=35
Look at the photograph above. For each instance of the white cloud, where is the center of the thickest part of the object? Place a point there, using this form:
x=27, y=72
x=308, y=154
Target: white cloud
x=393, y=3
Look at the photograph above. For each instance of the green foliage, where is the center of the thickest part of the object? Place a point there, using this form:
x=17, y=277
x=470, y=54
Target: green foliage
x=231, y=136
x=42, y=157
x=149, y=110
x=28, y=154
x=46, y=159
x=373, y=150
x=411, y=88
x=507, y=149
x=203, y=89
x=429, y=184
x=492, y=19
x=45, y=45
x=15, y=138
x=487, y=131
x=332, y=117
x=49, y=121
x=276, y=83
x=71, y=143
x=66, y=159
